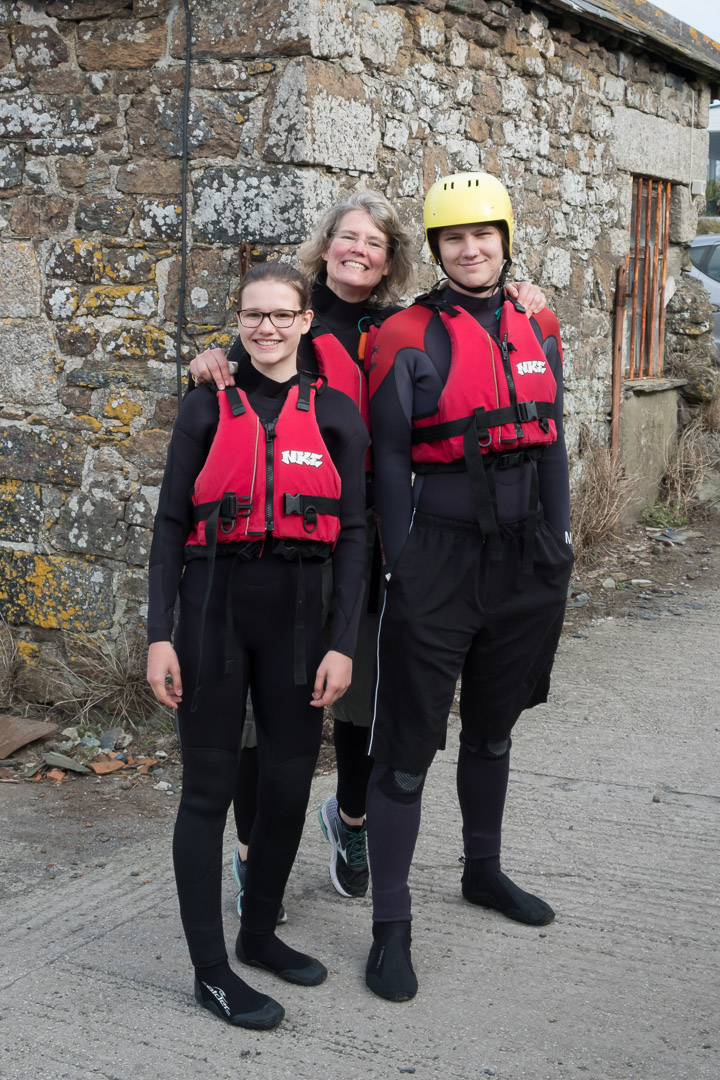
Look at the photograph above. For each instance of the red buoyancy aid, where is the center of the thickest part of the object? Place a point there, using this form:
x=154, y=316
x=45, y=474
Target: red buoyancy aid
x=506, y=385
x=272, y=478
x=341, y=371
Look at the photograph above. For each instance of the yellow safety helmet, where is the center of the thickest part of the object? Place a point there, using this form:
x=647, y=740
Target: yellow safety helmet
x=465, y=198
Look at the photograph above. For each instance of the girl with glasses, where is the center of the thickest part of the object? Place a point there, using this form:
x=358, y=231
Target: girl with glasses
x=264, y=484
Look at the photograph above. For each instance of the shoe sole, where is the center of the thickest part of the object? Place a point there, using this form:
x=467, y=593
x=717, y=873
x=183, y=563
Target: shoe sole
x=330, y=837
x=263, y=1020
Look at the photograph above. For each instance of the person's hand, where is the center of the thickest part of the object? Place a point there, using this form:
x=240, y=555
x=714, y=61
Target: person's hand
x=163, y=673
x=212, y=366
x=332, y=679
x=530, y=296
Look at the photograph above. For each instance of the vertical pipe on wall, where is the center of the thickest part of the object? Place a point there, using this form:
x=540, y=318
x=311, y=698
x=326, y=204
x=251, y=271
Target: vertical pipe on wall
x=183, y=219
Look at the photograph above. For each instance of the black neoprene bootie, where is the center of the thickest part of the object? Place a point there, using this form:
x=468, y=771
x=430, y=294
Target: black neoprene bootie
x=268, y=952
x=224, y=994
x=484, y=883
x=389, y=972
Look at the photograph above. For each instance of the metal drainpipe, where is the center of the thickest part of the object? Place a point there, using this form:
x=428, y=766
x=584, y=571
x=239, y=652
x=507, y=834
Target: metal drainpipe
x=183, y=219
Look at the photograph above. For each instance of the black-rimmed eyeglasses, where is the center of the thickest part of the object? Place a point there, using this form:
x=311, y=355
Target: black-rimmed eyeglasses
x=251, y=317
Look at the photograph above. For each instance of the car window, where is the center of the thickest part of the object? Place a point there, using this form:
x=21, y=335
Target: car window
x=713, y=265
x=698, y=256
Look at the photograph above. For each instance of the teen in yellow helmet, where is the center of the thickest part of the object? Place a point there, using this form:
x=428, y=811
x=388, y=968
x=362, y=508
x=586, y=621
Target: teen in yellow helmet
x=466, y=394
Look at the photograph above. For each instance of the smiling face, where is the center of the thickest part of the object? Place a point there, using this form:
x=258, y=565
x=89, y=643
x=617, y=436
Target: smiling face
x=472, y=255
x=273, y=349
x=357, y=257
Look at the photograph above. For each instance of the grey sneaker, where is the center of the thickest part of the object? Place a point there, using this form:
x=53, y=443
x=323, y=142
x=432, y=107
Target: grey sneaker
x=239, y=869
x=349, y=871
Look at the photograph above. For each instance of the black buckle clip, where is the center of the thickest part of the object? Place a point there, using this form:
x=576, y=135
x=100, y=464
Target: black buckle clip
x=294, y=504
x=233, y=507
x=527, y=410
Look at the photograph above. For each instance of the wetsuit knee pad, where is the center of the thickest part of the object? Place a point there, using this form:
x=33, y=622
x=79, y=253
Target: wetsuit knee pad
x=402, y=786
x=491, y=749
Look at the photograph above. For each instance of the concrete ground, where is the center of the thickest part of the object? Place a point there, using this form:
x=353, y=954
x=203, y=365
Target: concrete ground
x=612, y=816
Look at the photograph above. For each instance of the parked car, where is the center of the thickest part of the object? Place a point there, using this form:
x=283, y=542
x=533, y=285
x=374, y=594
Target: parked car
x=705, y=259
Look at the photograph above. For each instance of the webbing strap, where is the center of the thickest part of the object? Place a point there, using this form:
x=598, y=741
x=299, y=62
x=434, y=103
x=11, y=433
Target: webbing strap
x=304, y=388
x=482, y=493
x=521, y=413
x=235, y=401
x=230, y=507
x=309, y=506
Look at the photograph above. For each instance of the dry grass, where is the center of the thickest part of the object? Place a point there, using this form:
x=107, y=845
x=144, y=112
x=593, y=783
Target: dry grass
x=598, y=506
x=107, y=678
x=696, y=454
x=10, y=666
x=709, y=415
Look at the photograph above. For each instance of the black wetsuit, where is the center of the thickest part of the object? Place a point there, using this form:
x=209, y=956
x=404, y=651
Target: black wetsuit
x=352, y=714
x=452, y=610
x=261, y=594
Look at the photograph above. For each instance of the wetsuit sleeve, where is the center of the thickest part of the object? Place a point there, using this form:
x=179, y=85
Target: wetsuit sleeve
x=553, y=466
x=191, y=438
x=346, y=438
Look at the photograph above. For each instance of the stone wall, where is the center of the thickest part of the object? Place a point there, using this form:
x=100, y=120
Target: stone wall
x=292, y=105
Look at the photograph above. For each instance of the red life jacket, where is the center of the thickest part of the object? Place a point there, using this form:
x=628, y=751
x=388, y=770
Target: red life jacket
x=341, y=371
x=505, y=387
x=275, y=478
x=497, y=405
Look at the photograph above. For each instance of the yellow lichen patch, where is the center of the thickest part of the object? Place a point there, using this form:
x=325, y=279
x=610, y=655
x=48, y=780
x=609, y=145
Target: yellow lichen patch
x=221, y=339
x=28, y=650
x=141, y=344
x=9, y=488
x=128, y=301
x=120, y=408
x=90, y=423
x=54, y=593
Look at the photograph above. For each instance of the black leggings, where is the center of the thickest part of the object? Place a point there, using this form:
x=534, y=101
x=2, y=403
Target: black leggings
x=262, y=596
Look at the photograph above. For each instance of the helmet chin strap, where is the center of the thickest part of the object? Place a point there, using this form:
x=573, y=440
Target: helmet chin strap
x=477, y=289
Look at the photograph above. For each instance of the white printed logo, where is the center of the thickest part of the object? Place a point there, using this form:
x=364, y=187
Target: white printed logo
x=301, y=457
x=531, y=367
x=219, y=994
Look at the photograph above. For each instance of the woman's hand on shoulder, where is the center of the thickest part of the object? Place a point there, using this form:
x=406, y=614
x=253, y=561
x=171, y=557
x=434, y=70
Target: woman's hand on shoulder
x=213, y=366
x=332, y=678
x=163, y=673
x=530, y=296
